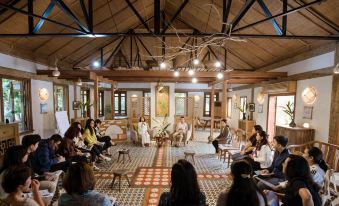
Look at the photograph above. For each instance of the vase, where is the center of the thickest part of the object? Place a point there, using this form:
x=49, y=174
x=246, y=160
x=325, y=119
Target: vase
x=243, y=116
x=292, y=123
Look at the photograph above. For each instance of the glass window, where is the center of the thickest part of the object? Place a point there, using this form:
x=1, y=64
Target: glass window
x=229, y=107
x=15, y=102
x=281, y=117
x=60, y=98
x=180, y=104
x=85, y=98
x=147, y=103
x=207, y=103
x=120, y=103
x=243, y=103
x=101, y=103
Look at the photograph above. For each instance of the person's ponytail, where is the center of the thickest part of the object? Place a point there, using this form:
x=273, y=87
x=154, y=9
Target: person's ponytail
x=322, y=164
x=317, y=155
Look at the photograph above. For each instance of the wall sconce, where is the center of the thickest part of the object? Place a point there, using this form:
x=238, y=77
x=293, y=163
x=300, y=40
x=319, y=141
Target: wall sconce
x=306, y=125
x=261, y=97
x=134, y=95
x=43, y=94
x=309, y=95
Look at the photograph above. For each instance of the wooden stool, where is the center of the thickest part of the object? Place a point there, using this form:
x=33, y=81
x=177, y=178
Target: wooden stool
x=124, y=152
x=119, y=174
x=190, y=153
x=222, y=152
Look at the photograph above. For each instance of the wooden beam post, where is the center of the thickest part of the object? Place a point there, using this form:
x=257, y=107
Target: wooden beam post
x=334, y=115
x=252, y=101
x=96, y=98
x=212, y=109
x=75, y=99
x=224, y=100
x=112, y=101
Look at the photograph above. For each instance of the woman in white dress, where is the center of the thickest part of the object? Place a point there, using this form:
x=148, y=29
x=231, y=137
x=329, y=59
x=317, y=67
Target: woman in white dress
x=143, y=132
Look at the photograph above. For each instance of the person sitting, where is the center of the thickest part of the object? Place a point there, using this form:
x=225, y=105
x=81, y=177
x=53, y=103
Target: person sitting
x=180, y=131
x=45, y=158
x=106, y=139
x=143, y=132
x=92, y=142
x=79, y=183
x=14, y=156
x=274, y=174
x=318, y=166
x=262, y=154
x=18, y=180
x=300, y=188
x=184, y=187
x=243, y=191
x=223, y=137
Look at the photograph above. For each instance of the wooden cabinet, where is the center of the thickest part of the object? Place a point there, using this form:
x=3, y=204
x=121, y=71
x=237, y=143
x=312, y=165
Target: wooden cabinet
x=9, y=136
x=296, y=135
x=247, y=126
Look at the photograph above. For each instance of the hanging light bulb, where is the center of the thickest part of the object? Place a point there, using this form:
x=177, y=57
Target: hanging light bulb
x=336, y=69
x=220, y=75
x=191, y=72
x=217, y=64
x=176, y=73
x=194, y=80
x=79, y=82
x=196, y=61
x=96, y=64
x=162, y=65
x=56, y=72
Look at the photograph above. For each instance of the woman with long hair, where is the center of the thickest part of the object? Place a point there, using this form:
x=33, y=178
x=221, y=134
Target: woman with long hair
x=243, y=191
x=143, y=132
x=106, y=139
x=318, y=166
x=185, y=190
x=262, y=154
x=92, y=142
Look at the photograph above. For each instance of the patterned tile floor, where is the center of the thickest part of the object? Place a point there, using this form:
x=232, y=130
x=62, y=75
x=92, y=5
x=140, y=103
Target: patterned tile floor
x=150, y=171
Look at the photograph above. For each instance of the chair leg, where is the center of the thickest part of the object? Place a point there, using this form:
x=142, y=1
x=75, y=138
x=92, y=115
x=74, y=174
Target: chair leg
x=118, y=158
x=129, y=157
x=193, y=159
x=123, y=159
x=119, y=182
x=228, y=160
x=129, y=184
x=113, y=181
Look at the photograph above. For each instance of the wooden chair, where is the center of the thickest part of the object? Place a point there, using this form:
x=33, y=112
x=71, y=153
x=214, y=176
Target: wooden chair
x=241, y=137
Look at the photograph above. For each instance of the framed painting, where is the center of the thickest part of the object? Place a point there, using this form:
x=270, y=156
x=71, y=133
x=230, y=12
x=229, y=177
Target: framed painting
x=162, y=101
x=251, y=107
x=43, y=108
x=260, y=108
x=76, y=105
x=307, y=112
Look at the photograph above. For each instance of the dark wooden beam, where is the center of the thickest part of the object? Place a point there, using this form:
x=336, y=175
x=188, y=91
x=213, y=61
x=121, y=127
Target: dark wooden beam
x=284, y=18
x=114, y=51
x=144, y=46
x=182, y=6
x=157, y=16
x=30, y=18
x=241, y=13
x=226, y=7
x=138, y=15
x=269, y=14
x=45, y=15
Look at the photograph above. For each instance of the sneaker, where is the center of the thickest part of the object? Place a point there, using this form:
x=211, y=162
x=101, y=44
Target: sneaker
x=95, y=168
x=106, y=158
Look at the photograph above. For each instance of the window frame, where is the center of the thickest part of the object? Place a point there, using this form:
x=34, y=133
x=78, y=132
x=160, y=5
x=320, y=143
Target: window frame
x=119, y=103
x=229, y=107
x=101, y=94
x=27, y=102
x=241, y=113
x=88, y=97
x=65, y=97
x=186, y=104
x=215, y=99
x=144, y=95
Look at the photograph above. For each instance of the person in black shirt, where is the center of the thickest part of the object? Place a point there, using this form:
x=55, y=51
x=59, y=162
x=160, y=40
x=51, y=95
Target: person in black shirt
x=274, y=174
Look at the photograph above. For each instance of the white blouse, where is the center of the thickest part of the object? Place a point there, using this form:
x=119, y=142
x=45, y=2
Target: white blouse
x=264, y=156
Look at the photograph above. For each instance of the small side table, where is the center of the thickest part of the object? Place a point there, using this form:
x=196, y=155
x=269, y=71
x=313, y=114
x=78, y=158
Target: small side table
x=190, y=153
x=124, y=152
x=119, y=174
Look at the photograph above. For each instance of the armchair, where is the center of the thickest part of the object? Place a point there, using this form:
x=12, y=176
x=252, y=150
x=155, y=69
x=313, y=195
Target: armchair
x=187, y=135
x=135, y=136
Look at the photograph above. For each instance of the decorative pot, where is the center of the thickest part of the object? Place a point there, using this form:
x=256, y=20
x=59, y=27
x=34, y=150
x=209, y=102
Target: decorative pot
x=243, y=116
x=292, y=123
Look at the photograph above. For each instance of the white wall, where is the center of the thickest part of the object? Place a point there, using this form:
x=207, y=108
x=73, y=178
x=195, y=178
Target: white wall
x=43, y=124
x=234, y=120
x=260, y=118
x=321, y=108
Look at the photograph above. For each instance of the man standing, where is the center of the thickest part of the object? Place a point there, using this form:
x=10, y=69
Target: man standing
x=222, y=138
x=180, y=131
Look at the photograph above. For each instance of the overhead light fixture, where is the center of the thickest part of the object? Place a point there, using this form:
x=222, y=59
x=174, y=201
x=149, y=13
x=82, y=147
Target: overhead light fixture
x=162, y=65
x=336, y=69
x=56, y=72
x=191, y=72
x=176, y=73
x=261, y=97
x=194, y=80
x=96, y=64
x=196, y=61
x=230, y=89
x=220, y=75
x=79, y=82
x=217, y=64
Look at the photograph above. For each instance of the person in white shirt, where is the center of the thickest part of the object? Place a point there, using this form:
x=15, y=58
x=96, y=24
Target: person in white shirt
x=317, y=165
x=262, y=154
x=143, y=132
x=180, y=131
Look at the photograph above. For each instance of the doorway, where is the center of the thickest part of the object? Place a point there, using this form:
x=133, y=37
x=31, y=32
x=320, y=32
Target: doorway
x=276, y=115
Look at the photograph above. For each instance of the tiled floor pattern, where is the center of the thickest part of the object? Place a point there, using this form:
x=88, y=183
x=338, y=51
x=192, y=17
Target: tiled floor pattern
x=150, y=171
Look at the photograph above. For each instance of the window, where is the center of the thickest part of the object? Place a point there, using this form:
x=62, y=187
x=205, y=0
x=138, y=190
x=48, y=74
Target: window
x=120, y=106
x=243, y=103
x=180, y=104
x=147, y=103
x=207, y=103
x=60, y=98
x=85, y=97
x=101, y=103
x=229, y=107
x=16, y=102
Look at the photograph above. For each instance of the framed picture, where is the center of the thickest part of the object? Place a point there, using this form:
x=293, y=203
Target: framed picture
x=251, y=107
x=43, y=108
x=307, y=112
x=235, y=106
x=76, y=105
x=162, y=101
x=260, y=108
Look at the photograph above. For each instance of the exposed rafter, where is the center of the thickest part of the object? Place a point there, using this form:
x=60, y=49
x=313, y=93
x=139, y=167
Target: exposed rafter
x=138, y=15
x=182, y=6
x=226, y=7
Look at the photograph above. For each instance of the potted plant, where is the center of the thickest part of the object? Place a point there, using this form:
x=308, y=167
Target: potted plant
x=243, y=110
x=85, y=106
x=288, y=109
x=161, y=129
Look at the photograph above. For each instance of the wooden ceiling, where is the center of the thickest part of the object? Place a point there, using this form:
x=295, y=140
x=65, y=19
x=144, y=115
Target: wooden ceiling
x=132, y=52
